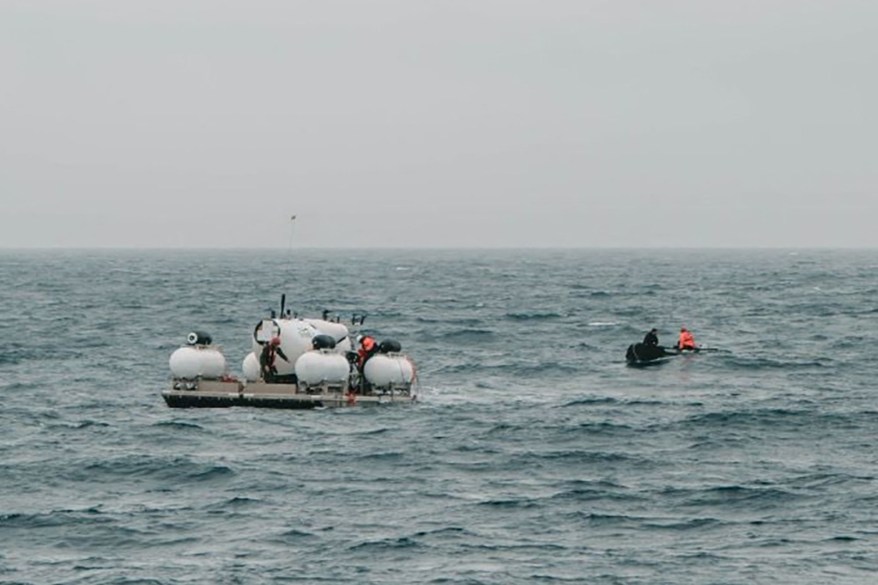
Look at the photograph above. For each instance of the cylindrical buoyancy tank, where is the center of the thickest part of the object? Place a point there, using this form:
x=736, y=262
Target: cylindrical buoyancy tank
x=322, y=367
x=323, y=341
x=337, y=331
x=295, y=339
x=198, y=338
x=191, y=362
x=383, y=370
x=390, y=346
x=250, y=367
x=343, y=346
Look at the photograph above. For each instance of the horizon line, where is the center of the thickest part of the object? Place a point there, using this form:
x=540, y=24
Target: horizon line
x=424, y=248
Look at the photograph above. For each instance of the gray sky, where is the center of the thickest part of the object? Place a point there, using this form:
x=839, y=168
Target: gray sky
x=413, y=123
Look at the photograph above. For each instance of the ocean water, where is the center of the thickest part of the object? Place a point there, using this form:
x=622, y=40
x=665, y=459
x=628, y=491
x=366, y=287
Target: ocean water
x=534, y=455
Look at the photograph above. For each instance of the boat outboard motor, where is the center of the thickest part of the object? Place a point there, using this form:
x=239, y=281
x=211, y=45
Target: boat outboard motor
x=323, y=342
x=389, y=346
x=198, y=338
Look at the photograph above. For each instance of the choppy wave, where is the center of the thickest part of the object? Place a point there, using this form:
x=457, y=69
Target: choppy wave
x=533, y=316
x=533, y=456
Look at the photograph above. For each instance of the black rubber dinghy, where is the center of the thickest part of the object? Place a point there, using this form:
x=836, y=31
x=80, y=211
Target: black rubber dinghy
x=639, y=354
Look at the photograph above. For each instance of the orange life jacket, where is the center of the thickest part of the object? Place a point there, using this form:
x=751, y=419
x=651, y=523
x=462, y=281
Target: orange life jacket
x=687, y=341
x=367, y=348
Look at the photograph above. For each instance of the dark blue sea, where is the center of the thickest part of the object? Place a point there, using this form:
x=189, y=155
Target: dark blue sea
x=533, y=455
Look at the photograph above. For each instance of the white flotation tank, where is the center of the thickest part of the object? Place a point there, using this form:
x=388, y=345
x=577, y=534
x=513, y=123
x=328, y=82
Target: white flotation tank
x=190, y=362
x=386, y=370
x=250, y=367
x=338, y=331
x=322, y=366
x=295, y=339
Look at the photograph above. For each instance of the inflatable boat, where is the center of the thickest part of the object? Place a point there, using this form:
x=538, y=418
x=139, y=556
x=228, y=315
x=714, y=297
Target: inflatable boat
x=314, y=363
x=640, y=354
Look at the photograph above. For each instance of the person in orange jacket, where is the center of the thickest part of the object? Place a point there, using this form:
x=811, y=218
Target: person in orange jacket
x=368, y=348
x=687, y=340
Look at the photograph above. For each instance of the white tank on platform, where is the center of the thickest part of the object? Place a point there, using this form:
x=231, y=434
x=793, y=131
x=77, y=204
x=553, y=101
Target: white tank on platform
x=250, y=367
x=384, y=370
x=322, y=366
x=338, y=331
x=295, y=339
x=343, y=346
x=190, y=362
